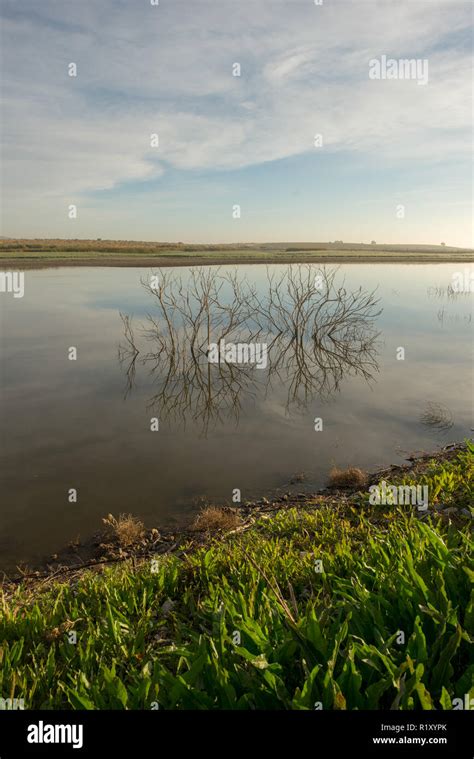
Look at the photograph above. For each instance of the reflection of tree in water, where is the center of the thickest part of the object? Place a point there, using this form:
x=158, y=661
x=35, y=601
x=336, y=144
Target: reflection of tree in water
x=315, y=331
x=437, y=416
x=453, y=297
x=324, y=332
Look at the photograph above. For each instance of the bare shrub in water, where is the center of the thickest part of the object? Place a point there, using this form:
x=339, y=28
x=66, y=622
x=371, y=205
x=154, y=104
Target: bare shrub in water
x=437, y=416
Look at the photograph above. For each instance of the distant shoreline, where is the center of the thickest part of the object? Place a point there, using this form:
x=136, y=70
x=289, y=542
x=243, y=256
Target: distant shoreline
x=40, y=259
x=40, y=253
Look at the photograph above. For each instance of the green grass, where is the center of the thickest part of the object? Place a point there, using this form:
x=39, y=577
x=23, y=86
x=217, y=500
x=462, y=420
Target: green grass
x=451, y=482
x=253, y=625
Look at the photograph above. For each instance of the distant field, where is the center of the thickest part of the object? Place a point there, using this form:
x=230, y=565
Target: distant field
x=36, y=253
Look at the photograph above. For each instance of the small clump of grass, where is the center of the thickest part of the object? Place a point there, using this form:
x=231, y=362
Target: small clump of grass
x=352, y=477
x=124, y=530
x=298, y=477
x=213, y=519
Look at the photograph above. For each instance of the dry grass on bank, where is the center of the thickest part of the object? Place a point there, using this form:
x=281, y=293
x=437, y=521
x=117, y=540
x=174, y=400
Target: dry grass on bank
x=352, y=477
x=125, y=530
x=213, y=518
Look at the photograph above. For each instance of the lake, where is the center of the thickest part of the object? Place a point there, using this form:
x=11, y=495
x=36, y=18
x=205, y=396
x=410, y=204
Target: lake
x=364, y=364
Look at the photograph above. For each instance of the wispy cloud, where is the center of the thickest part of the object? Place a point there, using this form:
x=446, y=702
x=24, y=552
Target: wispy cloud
x=168, y=69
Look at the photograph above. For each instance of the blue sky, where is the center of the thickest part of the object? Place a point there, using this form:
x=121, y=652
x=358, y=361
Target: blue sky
x=227, y=140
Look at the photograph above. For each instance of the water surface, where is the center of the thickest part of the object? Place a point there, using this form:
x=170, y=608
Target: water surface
x=85, y=424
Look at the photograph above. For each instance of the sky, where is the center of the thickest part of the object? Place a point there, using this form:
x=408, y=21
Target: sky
x=237, y=159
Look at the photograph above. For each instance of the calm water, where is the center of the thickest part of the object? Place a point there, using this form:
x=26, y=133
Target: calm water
x=85, y=424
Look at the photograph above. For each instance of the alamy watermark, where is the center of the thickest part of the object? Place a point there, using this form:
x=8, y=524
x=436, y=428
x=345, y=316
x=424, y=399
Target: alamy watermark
x=12, y=704
x=403, y=495
x=463, y=281
x=238, y=353
x=12, y=282
x=467, y=703
x=403, y=68
x=48, y=733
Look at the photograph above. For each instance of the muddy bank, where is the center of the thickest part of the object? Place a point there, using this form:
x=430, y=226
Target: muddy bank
x=130, y=541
